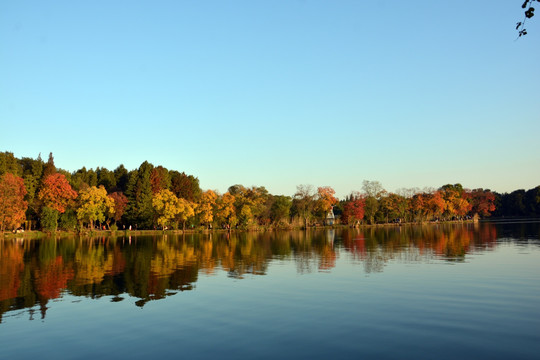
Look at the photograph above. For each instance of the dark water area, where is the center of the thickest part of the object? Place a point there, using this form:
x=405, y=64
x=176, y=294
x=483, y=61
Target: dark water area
x=422, y=292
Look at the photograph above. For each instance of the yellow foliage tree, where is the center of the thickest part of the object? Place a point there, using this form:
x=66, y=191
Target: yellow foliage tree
x=206, y=206
x=187, y=211
x=249, y=203
x=94, y=205
x=167, y=206
x=226, y=210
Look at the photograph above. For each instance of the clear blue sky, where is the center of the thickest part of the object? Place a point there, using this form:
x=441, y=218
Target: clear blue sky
x=277, y=93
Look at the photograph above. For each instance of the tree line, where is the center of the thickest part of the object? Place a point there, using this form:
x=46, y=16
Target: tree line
x=34, y=194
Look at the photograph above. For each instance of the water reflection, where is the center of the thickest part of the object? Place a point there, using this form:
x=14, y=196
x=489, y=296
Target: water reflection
x=34, y=272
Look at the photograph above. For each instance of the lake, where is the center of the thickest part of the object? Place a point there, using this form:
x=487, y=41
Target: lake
x=448, y=291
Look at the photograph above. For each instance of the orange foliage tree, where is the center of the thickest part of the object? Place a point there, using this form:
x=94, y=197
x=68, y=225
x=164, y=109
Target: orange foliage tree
x=12, y=204
x=56, y=193
x=436, y=204
x=418, y=204
x=326, y=199
x=456, y=203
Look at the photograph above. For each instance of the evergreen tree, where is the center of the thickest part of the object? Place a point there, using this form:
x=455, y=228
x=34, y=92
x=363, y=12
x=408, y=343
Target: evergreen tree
x=121, y=176
x=49, y=168
x=140, y=212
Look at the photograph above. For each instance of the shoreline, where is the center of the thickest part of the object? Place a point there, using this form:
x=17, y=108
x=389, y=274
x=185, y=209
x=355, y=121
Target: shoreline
x=37, y=234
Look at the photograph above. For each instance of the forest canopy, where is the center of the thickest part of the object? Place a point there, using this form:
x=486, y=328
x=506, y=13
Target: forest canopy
x=35, y=194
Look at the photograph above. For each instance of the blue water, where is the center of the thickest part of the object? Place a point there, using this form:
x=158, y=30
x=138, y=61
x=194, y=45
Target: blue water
x=393, y=300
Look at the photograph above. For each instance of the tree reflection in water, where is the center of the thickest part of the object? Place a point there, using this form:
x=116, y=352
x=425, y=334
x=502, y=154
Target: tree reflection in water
x=33, y=272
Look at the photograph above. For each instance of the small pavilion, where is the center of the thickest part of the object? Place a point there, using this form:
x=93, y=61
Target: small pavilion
x=330, y=218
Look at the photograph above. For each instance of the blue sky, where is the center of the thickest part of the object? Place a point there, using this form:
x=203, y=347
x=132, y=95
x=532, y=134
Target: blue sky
x=277, y=93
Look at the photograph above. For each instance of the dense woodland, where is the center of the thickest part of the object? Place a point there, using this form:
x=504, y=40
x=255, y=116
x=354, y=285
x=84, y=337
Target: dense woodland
x=34, y=194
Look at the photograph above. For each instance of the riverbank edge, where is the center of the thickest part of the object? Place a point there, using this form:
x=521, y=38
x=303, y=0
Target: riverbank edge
x=35, y=234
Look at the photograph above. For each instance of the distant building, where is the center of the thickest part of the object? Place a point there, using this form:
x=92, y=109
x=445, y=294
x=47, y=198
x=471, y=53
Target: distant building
x=330, y=218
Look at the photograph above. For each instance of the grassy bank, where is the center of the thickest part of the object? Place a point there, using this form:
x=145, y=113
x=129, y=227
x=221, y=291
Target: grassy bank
x=34, y=234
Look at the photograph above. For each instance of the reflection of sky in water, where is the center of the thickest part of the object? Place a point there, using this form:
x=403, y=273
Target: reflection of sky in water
x=484, y=305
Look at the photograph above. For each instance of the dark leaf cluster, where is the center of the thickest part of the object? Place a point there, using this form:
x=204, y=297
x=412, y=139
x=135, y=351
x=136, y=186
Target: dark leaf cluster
x=529, y=13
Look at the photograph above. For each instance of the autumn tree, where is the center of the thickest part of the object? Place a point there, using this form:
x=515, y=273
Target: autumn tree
x=12, y=203
x=392, y=207
x=353, y=210
x=456, y=204
x=167, y=207
x=56, y=193
x=159, y=179
x=185, y=186
x=482, y=202
x=120, y=204
x=95, y=205
x=225, y=210
x=258, y=198
x=325, y=200
x=417, y=205
x=250, y=204
x=205, y=208
x=187, y=211
x=436, y=204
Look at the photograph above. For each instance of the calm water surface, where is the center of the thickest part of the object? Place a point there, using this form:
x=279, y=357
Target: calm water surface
x=445, y=292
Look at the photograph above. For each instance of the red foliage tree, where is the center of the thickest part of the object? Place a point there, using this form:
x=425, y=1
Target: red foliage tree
x=159, y=179
x=185, y=186
x=12, y=204
x=482, y=201
x=56, y=192
x=120, y=204
x=353, y=211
